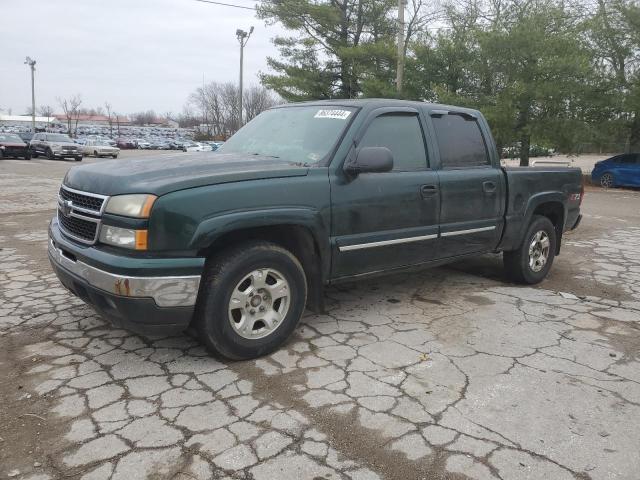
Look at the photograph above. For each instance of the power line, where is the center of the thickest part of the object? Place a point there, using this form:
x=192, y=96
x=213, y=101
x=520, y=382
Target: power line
x=226, y=4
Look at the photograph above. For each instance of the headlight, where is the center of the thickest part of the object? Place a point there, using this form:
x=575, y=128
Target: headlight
x=124, y=237
x=138, y=205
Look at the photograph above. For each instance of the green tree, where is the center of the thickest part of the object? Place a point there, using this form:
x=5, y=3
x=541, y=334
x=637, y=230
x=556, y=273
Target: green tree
x=341, y=48
x=614, y=38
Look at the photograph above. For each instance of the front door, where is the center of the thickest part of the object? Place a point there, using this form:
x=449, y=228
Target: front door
x=472, y=187
x=386, y=220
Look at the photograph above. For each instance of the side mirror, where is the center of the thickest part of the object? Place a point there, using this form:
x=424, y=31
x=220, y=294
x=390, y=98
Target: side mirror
x=371, y=160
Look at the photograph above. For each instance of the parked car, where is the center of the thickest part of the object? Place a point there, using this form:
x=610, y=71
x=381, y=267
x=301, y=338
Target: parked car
x=237, y=243
x=142, y=144
x=191, y=147
x=125, y=143
x=12, y=146
x=54, y=146
x=100, y=148
x=619, y=171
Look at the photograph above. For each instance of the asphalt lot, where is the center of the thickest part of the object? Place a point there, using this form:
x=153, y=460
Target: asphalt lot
x=450, y=373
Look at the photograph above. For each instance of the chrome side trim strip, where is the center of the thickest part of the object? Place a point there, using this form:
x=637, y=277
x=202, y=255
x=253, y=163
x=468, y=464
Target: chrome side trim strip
x=165, y=291
x=467, y=232
x=347, y=248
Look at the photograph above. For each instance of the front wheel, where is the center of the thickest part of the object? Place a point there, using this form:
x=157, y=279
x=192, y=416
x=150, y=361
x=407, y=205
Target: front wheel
x=251, y=299
x=606, y=180
x=531, y=263
x=34, y=154
x=78, y=159
x=114, y=156
x=49, y=154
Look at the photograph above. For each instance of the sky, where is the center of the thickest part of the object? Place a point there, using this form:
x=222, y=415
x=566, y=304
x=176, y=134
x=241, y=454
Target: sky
x=135, y=54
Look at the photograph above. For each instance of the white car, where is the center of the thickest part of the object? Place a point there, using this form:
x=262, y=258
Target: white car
x=143, y=144
x=100, y=148
x=196, y=147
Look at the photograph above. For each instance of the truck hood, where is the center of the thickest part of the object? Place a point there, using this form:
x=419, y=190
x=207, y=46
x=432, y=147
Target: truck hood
x=169, y=173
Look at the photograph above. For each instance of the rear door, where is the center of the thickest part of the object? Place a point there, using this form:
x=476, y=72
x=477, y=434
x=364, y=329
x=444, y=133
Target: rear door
x=472, y=186
x=386, y=220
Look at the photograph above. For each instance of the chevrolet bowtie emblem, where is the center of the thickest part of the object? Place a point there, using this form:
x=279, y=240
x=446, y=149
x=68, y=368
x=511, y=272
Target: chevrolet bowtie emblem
x=66, y=207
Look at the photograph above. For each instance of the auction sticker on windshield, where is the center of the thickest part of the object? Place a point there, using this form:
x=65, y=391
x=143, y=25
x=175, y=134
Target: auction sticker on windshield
x=338, y=114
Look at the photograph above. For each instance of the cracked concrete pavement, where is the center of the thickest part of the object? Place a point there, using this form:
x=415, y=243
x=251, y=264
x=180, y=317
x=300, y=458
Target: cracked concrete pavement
x=447, y=373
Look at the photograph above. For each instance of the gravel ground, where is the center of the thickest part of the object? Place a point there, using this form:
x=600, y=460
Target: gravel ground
x=451, y=373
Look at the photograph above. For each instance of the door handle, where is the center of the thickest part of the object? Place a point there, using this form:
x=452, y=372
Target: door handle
x=428, y=190
x=489, y=187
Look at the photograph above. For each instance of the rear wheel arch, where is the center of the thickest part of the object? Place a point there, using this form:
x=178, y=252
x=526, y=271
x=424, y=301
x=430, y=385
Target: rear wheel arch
x=554, y=211
x=297, y=239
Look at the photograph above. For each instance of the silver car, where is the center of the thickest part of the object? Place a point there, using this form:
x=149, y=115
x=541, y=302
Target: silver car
x=100, y=148
x=54, y=145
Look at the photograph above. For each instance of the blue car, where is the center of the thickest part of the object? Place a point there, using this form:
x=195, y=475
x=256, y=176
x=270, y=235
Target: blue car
x=619, y=171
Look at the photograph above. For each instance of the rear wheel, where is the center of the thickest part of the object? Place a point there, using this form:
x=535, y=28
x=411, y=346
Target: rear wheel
x=95, y=154
x=606, y=180
x=251, y=299
x=531, y=262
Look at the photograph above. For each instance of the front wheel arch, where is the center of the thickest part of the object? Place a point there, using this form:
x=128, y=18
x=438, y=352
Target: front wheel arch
x=297, y=239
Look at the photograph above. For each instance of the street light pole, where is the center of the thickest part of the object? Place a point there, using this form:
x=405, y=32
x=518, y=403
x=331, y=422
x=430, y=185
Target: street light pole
x=32, y=63
x=243, y=38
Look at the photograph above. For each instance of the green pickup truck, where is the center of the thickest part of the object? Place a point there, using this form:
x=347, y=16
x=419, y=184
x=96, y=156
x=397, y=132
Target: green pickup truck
x=234, y=244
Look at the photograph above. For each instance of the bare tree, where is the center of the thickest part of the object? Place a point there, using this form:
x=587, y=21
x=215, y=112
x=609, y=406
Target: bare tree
x=71, y=108
x=46, y=111
x=257, y=99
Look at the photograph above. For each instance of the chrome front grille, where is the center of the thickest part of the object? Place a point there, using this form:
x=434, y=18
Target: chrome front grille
x=88, y=202
x=80, y=213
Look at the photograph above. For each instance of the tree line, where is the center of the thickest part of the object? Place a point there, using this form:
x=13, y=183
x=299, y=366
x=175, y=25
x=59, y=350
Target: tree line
x=559, y=73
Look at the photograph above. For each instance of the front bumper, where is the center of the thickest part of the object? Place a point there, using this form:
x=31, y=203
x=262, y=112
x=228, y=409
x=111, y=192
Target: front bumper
x=146, y=304
x=67, y=154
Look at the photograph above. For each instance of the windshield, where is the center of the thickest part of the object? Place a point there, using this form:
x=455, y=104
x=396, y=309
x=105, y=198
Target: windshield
x=58, y=138
x=6, y=137
x=297, y=134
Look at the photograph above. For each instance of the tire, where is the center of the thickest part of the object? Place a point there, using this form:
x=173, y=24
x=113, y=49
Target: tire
x=49, y=154
x=1, y=154
x=34, y=154
x=607, y=180
x=523, y=265
x=114, y=156
x=219, y=326
x=95, y=154
x=78, y=159
x=27, y=156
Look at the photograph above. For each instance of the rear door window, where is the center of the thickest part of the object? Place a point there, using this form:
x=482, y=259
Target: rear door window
x=460, y=141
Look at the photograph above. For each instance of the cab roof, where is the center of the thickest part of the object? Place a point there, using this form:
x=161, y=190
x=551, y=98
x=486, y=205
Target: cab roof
x=372, y=103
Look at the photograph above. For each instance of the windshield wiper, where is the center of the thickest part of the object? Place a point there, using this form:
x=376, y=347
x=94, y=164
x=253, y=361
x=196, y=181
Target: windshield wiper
x=263, y=155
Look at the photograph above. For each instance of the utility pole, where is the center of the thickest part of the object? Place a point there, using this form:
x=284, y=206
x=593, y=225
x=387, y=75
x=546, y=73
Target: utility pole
x=32, y=64
x=243, y=38
x=400, y=69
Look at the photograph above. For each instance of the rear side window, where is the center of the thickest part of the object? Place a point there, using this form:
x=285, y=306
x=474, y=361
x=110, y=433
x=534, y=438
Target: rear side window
x=400, y=133
x=460, y=142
